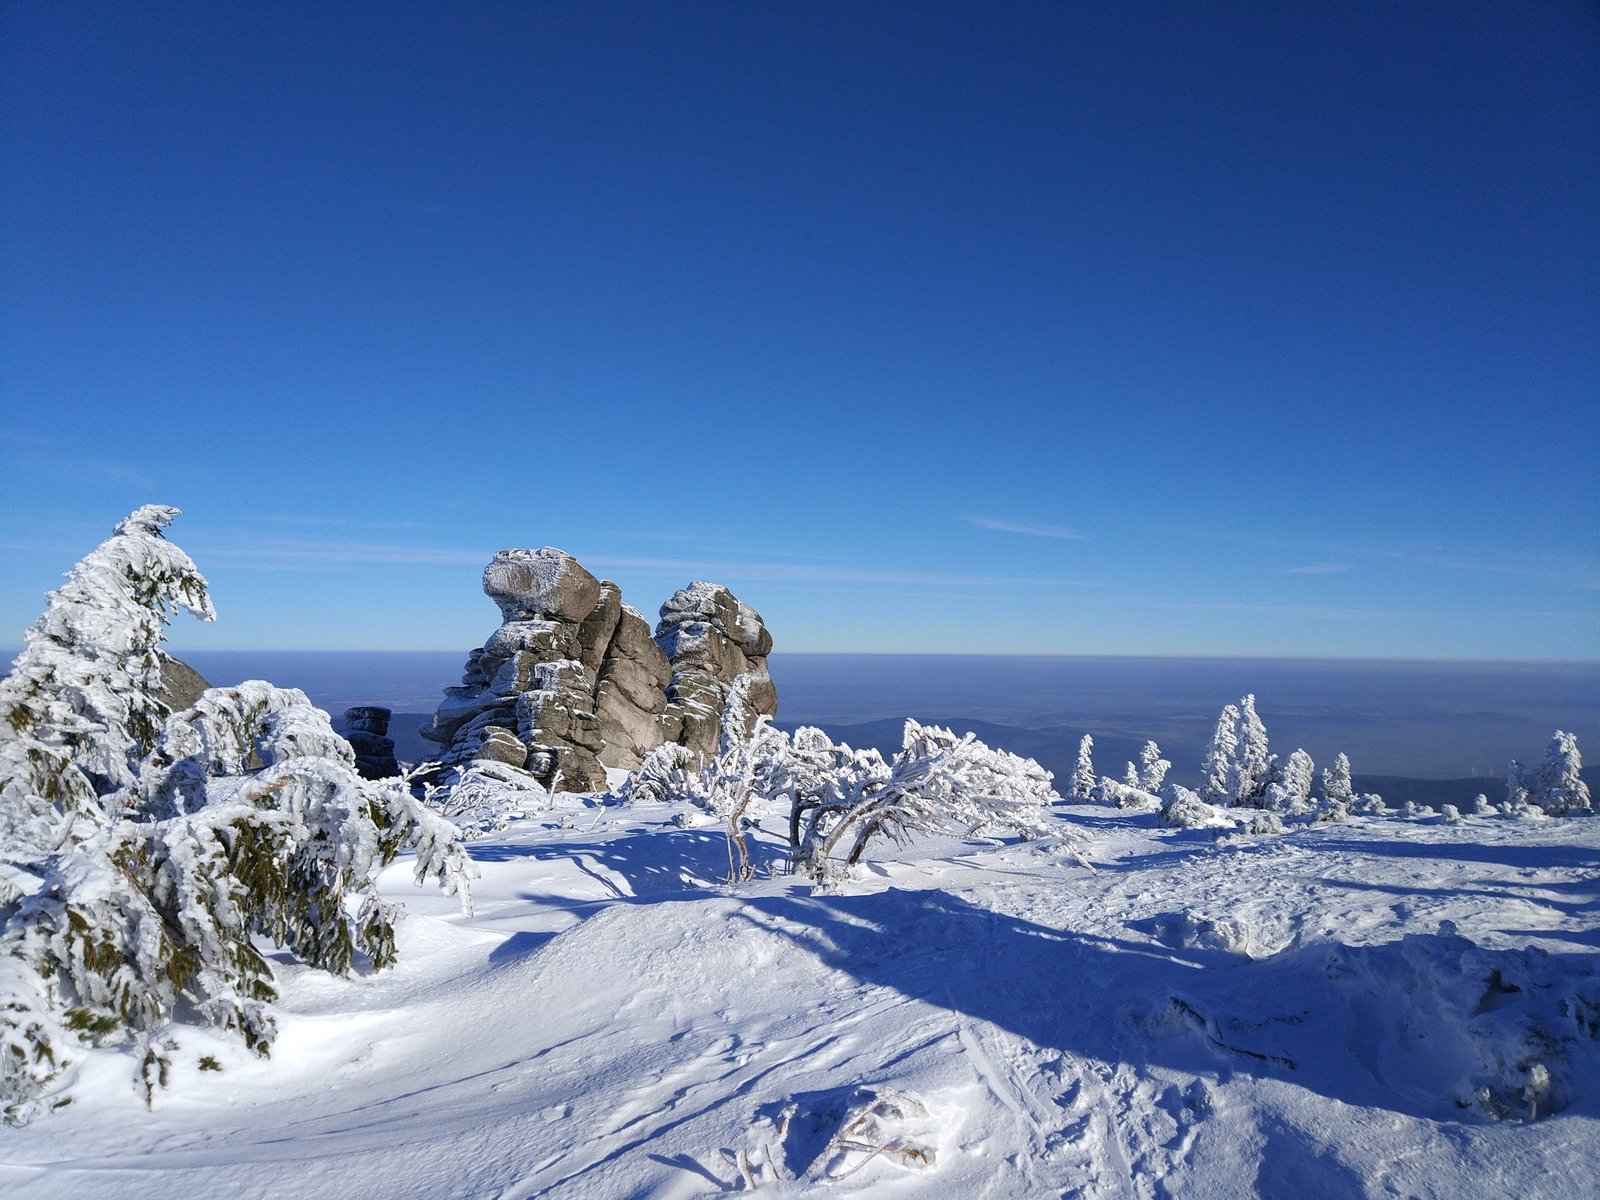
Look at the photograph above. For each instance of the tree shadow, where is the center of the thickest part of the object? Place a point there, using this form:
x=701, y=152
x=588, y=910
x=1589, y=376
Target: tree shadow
x=1539, y=858
x=1397, y=1026
x=664, y=864
x=1501, y=892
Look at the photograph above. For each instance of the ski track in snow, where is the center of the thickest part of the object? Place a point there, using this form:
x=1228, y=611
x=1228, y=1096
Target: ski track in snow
x=1187, y=1018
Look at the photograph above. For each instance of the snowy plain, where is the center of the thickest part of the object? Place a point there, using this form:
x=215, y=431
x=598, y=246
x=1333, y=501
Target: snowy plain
x=1354, y=1009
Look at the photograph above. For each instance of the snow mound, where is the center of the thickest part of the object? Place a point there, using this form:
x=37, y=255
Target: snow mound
x=1497, y=1034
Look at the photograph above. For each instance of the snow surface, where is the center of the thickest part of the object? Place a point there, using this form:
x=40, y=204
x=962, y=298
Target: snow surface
x=1253, y=1016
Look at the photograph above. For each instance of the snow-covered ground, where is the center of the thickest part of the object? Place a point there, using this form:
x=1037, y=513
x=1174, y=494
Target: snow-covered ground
x=1377, y=1007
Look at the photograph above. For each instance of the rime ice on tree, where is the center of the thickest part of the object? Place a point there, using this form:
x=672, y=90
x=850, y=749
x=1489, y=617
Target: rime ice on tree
x=144, y=852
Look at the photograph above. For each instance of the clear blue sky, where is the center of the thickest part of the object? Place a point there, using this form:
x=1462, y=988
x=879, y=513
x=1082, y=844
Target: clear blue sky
x=1074, y=328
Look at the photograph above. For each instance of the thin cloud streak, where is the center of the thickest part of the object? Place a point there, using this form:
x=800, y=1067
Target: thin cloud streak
x=287, y=554
x=1330, y=568
x=1574, y=576
x=54, y=459
x=1314, y=611
x=1026, y=528
x=828, y=573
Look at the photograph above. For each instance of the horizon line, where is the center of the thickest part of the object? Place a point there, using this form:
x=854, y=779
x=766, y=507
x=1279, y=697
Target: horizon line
x=1065, y=654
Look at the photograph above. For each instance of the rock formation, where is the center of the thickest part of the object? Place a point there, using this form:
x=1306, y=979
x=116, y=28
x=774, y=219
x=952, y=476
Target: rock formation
x=181, y=684
x=711, y=639
x=572, y=682
x=366, y=728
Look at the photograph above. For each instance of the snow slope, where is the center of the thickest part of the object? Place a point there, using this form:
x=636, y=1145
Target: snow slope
x=1342, y=1011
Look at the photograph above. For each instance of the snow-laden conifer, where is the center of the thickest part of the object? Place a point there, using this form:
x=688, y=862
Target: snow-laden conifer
x=1517, y=793
x=1256, y=762
x=1238, y=766
x=1290, y=790
x=1559, y=786
x=83, y=702
x=1083, y=777
x=1337, y=788
x=1152, y=768
x=170, y=847
x=1220, y=768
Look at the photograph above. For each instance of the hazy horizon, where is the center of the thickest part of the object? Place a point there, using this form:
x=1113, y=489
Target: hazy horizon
x=1424, y=718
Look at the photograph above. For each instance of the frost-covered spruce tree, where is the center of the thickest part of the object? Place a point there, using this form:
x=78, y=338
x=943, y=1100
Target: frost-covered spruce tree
x=244, y=818
x=1256, y=763
x=1152, y=768
x=1083, y=777
x=1516, y=787
x=1559, y=787
x=1221, y=766
x=1238, y=766
x=1290, y=790
x=82, y=703
x=1338, y=793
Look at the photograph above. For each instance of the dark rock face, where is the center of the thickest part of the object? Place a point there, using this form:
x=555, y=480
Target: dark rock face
x=572, y=682
x=366, y=728
x=181, y=684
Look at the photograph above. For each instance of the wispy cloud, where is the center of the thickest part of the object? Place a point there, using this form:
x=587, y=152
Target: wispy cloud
x=311, y=553
x=1327, y=568
x=54, y=459
x=1571, y=572
x=296, y=553
x=315, y=522
x=1317, y=612
x=822, y=573
x=1026, y=528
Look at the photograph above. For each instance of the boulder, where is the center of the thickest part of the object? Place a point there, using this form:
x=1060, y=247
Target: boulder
x=499, y=744
x=546, y=583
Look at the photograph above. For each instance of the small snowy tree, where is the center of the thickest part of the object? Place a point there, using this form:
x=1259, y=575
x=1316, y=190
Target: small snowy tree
x=1152, y=768
x=665, y=775
x=1516, y=787
x=1238, y=766
x=1336, y=785
x=841, y=799
x=751, y=756
x=1256, y=763
x=1290, y=790
x=1083, y=777
x=1338, y=792
x=937, y=782
x=1220, y=769
x=1559, y=787
x=83, y=702
x=1130, y=776
x=147, y=851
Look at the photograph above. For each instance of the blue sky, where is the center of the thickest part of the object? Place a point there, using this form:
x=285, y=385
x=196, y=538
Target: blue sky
x=1061, y=328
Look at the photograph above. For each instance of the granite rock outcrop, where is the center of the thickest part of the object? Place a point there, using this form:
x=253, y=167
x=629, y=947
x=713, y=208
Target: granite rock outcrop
x=573, y=681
